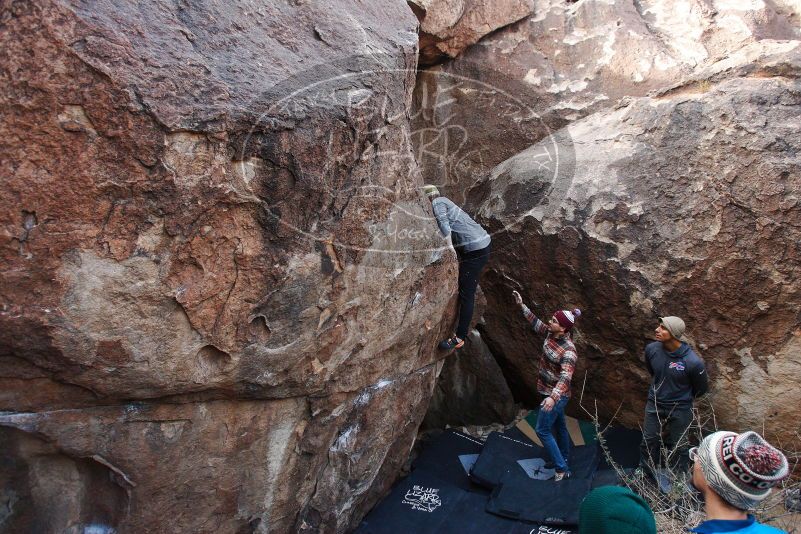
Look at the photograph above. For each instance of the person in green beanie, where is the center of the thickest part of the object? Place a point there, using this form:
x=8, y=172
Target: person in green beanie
x=615, y=510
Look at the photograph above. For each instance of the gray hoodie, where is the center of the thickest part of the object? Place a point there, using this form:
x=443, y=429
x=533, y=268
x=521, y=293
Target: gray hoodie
x=466, y=234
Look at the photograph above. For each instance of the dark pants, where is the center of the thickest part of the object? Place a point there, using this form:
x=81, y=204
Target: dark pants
x=676, y=420
x=470, y=266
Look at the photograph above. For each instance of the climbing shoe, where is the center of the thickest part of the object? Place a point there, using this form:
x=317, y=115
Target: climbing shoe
x=451, y=343
x=561, y=476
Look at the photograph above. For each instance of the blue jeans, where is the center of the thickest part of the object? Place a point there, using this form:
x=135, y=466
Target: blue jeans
x=552, y=431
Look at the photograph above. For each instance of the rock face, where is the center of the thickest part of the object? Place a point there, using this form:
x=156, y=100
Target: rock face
x=447, y=27
x=524, y=85
x=685, y=203
x=471, y=389
x=568, y=60
x=221, y=291
x=224, y=466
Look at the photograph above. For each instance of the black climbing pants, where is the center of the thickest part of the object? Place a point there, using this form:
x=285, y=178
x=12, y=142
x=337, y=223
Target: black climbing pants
x=676, y=420
x=470, y=266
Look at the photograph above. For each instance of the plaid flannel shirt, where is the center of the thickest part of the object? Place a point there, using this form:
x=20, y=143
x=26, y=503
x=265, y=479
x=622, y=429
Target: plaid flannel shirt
x=558, y=360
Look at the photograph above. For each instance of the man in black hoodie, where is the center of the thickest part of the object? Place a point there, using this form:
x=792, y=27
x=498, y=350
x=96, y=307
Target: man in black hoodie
x=679, y=376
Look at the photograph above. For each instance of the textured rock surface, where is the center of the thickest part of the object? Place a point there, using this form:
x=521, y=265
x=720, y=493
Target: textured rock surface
x=566, y=61
x=685, y=203
x=221, y=291
x=471, y=389
x=220, y=466
x=205, y=290
x=447, y=27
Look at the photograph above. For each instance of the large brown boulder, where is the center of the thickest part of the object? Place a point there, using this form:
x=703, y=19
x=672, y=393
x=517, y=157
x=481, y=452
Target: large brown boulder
x=300, y=464
x=470, y=390
x=568, y=60
x=220, y=288
x=447, y=27
x=685, y=203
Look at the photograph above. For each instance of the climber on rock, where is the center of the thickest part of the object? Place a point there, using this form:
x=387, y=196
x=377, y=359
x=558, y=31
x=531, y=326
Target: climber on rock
x=557, y=363
x=679, y=376
x=472, y=245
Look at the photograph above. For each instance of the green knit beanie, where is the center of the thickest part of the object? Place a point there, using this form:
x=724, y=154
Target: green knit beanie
x=615, y=510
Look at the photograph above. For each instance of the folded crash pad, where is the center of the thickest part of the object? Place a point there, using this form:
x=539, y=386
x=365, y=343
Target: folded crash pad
x=538, y=501
x=583, y=462
x=500, y=453
x=531, y=499
x=450, y=455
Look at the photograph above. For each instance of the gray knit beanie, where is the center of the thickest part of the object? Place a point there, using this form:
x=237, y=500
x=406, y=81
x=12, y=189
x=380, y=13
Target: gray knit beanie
x=674, y=325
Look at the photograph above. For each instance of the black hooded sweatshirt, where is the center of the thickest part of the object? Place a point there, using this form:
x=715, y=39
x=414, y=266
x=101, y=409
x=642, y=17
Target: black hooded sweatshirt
x=679, y=376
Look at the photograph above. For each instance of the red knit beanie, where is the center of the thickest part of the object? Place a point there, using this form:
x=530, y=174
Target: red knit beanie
x=567, y=318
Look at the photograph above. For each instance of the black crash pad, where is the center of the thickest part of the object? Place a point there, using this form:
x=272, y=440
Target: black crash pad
x=419, y=503
x=520, y=497
x=624, y=446
x=449, y=456
x=437, y=497
x=583, y=463
x=424, y=504
x=500, y=453
x=538, y=501
x=469, y=517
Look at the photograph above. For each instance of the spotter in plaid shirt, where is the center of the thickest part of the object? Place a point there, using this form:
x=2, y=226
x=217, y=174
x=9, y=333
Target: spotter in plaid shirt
x=558, y=360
